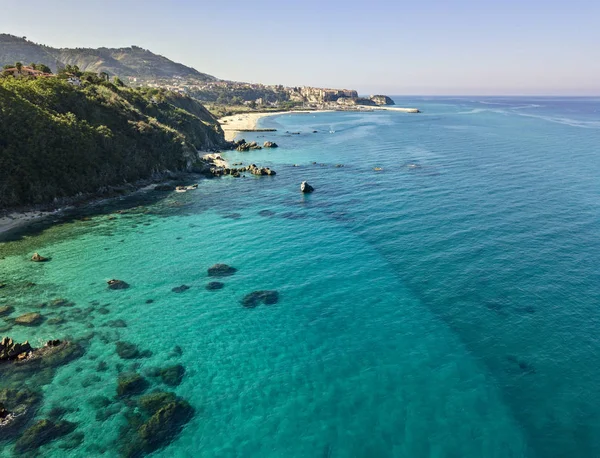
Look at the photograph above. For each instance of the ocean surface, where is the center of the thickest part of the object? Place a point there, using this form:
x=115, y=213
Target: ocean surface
x=447, y=305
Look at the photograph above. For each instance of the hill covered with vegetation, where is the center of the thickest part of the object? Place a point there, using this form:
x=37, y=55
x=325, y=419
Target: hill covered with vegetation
x=58, y=139
x=123, y=62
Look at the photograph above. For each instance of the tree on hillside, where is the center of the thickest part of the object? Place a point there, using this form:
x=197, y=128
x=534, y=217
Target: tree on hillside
x=118, y=82
x=18, y=66
x=104, y=76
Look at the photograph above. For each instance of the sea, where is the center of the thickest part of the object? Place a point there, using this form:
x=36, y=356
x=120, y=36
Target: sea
x=438, y=294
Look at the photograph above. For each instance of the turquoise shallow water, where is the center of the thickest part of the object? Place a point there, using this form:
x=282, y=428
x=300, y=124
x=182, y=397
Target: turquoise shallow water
x=445, y=306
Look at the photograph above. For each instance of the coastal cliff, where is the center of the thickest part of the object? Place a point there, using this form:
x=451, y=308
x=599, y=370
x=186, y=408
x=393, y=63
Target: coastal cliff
x=58, y=140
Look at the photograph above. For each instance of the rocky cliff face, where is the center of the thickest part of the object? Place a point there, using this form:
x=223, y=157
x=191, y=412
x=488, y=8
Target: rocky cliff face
x=382, y=100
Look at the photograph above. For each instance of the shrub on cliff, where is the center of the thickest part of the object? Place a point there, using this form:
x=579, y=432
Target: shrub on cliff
x=57, y=140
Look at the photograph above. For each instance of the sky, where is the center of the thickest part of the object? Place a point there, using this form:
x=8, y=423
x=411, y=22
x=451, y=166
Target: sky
x=425, y=47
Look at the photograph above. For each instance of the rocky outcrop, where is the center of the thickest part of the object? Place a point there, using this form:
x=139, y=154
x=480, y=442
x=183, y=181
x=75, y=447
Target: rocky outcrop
x=382, y=100
x=241, y=145
x=254, y=170
x=306, y=188
x=10, y=350
x=270, y=145
x=221, y=270
x=38, y=258
x=117, y=284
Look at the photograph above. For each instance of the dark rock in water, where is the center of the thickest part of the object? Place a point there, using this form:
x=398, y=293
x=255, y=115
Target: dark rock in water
x=270, y=145
x=103, y=311
x=53, y=343
x=3, y=412
x=214, y=285
x=306, y=188
x=9, y=349
x=42, y=432
x=177, y=351
x=99, y=402
x=151, y=402
x=102, y=366
x=172, y=375
x=30, y=319
x=38, y=258
x=107, y=412
x=523, y=365
x=266, y=213
x=74, y=441
x=6, y=310
x=221, y=270
x=164, y=425
x=127, y=350
x=180, y=289
x=131, y=384
x=256, y=297
x=57, y=320
x=19, y=407
x=116, y=324
x=90, y=380
x=61, y=303
x=57, y=413
x=232, y=216
x=149, y=301
x=117, y=284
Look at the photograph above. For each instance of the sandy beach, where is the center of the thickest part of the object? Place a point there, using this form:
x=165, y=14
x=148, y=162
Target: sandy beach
x=234, y=124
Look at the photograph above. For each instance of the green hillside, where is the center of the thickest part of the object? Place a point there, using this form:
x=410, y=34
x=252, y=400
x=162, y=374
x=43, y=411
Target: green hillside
x=57, y=140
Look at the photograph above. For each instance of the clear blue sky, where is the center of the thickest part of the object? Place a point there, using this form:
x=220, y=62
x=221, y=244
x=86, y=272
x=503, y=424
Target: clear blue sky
x=395, y=47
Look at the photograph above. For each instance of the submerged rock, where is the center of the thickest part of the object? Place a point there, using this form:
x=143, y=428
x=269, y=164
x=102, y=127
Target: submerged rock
x=221, y=270
x=172, y=375
x=6, y=310
x=266, y=213
x=305, y=187
x=159, y=418
x=180, y=289
x=256, y=297
x=117, y=284
x=164, y=425
x=151, y=402
x=18, y=407
x=127, y=350
x=38, y=258
x=215, y=285
x=43, y=432
x=131, y=384
x=29, y=319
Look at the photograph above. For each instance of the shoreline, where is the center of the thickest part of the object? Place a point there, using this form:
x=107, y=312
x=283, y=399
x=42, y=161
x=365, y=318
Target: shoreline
x=15, y=220
x=233, y=125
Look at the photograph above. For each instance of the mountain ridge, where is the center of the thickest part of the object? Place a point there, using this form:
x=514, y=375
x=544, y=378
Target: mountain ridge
x=133, y=61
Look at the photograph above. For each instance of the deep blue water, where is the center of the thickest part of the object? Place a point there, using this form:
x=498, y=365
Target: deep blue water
x=446, y=305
